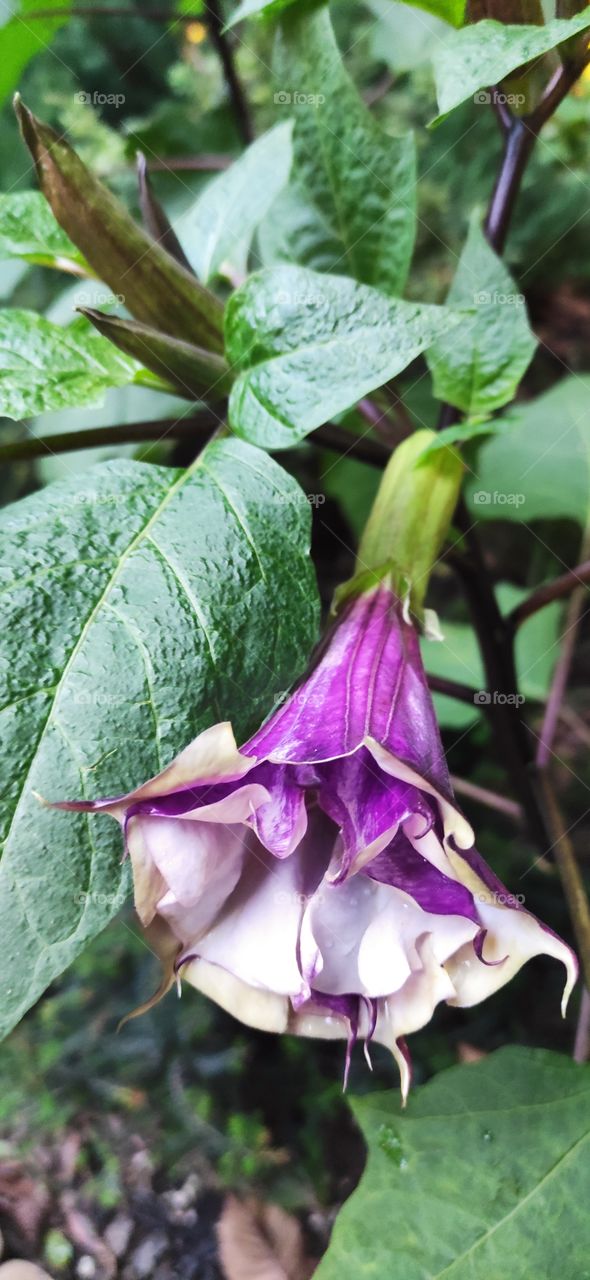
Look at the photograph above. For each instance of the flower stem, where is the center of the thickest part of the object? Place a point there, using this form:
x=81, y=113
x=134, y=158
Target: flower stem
x=222, y=44
x=551, y=591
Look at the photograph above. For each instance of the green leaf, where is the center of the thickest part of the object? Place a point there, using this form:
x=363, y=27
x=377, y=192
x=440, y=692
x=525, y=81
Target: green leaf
x=194, y=373
x=43, y=366
x=486, y=52
x=479, y=366
x=537, y=465
x=486, y=1175
x=155, y=288
x=226, y=215
x=360, y=181
x=308, y=346
x=404, y=37
x=140, y=606
x=29, y=230
x=457, y=657
x=451, y=11
x=262, y=8
x=463, y=432
x=23, y=37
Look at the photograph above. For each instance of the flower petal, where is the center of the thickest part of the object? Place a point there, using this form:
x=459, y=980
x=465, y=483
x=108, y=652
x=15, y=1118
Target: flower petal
x=513, y=936
x=368, y=682
x=210, y=758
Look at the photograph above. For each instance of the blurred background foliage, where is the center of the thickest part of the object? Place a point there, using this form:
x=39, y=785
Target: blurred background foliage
x=198, y=1091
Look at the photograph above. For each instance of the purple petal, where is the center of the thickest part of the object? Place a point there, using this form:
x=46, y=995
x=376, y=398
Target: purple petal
x=368, y=681
x=405, y=868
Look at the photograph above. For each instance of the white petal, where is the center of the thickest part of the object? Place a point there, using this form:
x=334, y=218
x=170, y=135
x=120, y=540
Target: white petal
x=413, y=1006
x=256, y=935
x=188, y=868
x=390, y=951
x=336, y=919
x=363, y=936
x=513, y=937
x=261, y=1009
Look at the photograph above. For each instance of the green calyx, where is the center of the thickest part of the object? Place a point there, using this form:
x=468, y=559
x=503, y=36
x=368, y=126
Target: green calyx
x=410, y=518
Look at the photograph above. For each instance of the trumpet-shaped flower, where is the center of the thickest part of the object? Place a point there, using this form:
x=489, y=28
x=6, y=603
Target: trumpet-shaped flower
x=321, y=880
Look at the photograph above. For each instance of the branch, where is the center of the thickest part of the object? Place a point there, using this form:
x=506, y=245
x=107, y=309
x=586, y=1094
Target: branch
x=197, y=427
x=582, y=1042
x=556, y=590
x=562, y=669
x=570, y=874
x=482, y=795
x=222, y=44
x=452, y=689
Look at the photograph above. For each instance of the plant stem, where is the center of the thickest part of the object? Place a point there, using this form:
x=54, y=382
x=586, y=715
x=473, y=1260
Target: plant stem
x=483, y=795
x=562, y=669
x=582, y=1041
x=224, y=49
x=452, y=689
x=496, y=634
x=547, y=594
x=196, y=427
x=570, y=874
x=519, y=141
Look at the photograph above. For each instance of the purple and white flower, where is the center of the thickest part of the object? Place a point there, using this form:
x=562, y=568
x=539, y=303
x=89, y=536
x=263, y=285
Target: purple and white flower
x=321, y=880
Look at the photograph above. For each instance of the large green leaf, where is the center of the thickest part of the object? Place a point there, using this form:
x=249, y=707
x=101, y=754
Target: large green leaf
x=308, y=346
x=140, y=605
x=43, y=366
x=225, y=216
x=23, y=36
x=478, y=368
x=29, y=230
x=484, y=53
x=360, y=181
x=486, y=1175
x=537, y=464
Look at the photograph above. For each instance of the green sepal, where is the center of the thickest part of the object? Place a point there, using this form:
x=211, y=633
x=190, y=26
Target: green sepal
x=411, y=516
